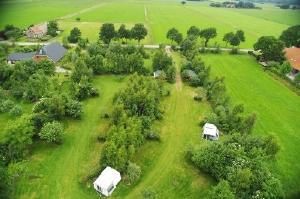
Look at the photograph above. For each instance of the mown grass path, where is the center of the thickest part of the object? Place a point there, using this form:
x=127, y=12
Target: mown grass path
x=158, y=160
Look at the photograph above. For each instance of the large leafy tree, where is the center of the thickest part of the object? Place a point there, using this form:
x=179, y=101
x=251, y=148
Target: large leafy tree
x=52, y=27
x=139, y=32
x=208, y=34
x=107, y=32
x=37, y=86
x=172, y=33
x=271, y=48
x=227, y=37
x=124, y=33
x=291, y=36
x=75, y=35
x=161, y=60
x=52, y=132
x=193, y=30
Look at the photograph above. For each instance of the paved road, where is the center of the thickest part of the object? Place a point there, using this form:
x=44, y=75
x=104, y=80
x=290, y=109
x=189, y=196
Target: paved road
x=146, y=45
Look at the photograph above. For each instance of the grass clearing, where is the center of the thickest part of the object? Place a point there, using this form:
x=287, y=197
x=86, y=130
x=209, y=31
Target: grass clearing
x=276, y=107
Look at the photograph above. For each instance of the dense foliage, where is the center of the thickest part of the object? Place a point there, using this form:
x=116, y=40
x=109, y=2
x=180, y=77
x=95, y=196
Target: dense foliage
x=135, y=108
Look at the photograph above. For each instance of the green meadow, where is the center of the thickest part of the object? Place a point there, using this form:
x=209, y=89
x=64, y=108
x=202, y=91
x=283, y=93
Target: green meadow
x=157, y=16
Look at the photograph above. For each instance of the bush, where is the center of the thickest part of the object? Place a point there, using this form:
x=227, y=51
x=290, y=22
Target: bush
x=148, y=194
x=153, y=135
x=16, y=111
x=234, y=51
x=52, y=132
x=197, y=98
x=6, y=105
x=133, y=172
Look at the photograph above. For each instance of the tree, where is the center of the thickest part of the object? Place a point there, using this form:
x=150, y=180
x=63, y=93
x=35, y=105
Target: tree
x=133, y=172
x=285, y=68
x=271, y=48
x=52, y=27
x=178, y=38
x=123, y=32
x=183, y=2
x=228, y=36
x=208, y=34
x=291, y=36
x=75, y=35
x=82, y=43
x=74, y=108
x=107, y=32
x=172, y=33
x=222, y=190
x=161, y=61
x=193, y=30
x=78, y=19
x=235, y=41
x=47, y=66
x=37, y=86
x=18, y=135
x=52, y=132
x=148, y=194
x=139, y=32
x=16, y=111
x=271, y=144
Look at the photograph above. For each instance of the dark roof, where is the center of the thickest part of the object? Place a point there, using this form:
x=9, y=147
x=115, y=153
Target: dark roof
x=19, y=56
x=55, y=51
x=191, y=73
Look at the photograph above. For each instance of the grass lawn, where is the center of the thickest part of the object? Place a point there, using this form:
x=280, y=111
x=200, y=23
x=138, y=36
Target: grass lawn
x=277, y=109
x=59, y=169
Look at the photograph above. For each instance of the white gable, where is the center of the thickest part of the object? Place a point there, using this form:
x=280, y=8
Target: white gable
x=107, y=181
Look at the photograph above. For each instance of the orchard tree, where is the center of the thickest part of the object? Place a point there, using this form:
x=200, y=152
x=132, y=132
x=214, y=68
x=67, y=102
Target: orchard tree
x=291, y=36
x=52, y=27
x=107, y=32
x=208, y=34
x=52, y=132
x=271, y=48
x=139, y=32
x=193, y=30
x=37, y=86
x=172, y=33
x=221, y=190
x=183, y=2
x=47, y=66
x=123, y=32
x=285, y=67
x=75, y=35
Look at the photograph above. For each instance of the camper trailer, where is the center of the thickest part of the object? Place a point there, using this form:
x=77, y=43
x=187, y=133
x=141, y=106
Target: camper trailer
x=210, y=132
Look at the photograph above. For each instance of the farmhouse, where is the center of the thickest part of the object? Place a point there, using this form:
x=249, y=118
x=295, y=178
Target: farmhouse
x=107, y=181
x=293, y=55
x=210, y=132
x=37, y=31
x=15, y=57
x=53, y=51
x=159, y=74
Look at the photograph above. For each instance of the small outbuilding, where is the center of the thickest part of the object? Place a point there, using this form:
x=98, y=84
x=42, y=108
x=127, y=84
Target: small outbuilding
x=107, y=181
x=15, y=57
x=160, y=74
x=210, y=132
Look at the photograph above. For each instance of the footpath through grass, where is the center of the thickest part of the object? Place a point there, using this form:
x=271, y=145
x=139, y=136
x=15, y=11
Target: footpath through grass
x=277, y=107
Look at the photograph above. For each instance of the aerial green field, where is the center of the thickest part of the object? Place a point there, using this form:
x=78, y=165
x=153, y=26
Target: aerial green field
x=275, y=104
x=157, y=16
x=57, y=171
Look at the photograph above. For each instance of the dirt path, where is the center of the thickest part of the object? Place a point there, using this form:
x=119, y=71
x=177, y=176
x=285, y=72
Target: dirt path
x=178, y=83
x=81, y=11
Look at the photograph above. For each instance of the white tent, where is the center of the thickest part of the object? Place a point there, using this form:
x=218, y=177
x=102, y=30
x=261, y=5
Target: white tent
x=107, y=181
x=210, y=132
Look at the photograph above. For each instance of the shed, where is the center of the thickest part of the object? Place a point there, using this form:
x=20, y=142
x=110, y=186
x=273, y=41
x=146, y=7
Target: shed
x=15, y=57
x=210, y=132
x=107, y=181
x=159, y=74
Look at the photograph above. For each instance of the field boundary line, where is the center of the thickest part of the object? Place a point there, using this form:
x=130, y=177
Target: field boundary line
x=148, y=25
x=82, y=11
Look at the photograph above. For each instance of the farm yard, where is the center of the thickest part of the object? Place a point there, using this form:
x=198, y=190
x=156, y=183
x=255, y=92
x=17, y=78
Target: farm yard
x=64, y=171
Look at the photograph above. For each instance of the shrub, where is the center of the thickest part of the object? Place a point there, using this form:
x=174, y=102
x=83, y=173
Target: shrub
x=153, y=135
x=148, y=194
x=133, y=172
x=52, y=132
x=234, y=51
x=6, y=105
x=16, y=111
x=197, y=98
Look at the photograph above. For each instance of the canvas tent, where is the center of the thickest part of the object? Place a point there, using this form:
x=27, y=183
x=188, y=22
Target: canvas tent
x=210, y=132
x=107, y=181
